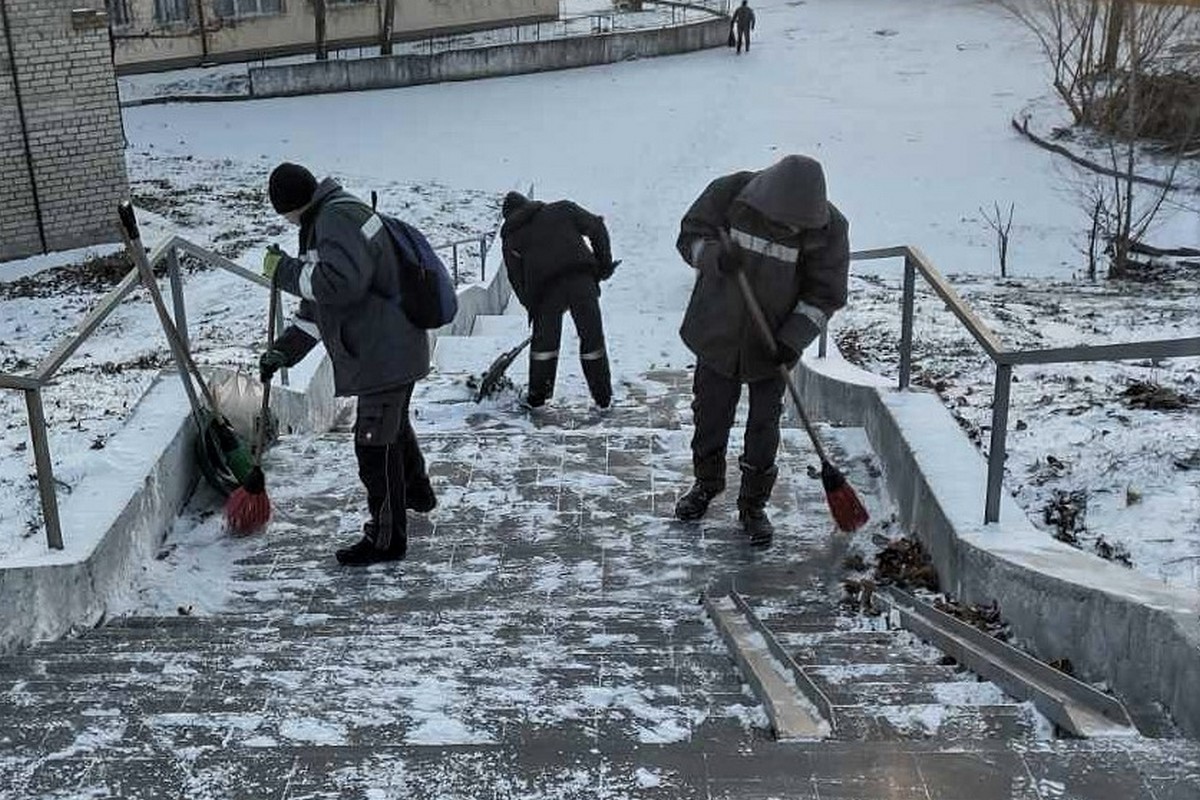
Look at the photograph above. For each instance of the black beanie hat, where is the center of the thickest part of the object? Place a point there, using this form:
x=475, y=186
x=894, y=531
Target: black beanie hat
x=291, y=187
x=512, y=201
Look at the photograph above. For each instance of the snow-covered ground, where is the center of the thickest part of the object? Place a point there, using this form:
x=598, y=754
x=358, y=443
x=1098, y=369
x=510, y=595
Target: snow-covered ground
x=907, y=104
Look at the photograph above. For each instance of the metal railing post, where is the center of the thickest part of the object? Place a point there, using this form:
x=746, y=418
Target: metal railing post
x=279, y=327
x=906, y=321
x=177, y=296
x=45, y=468
x=996, y=454
x=823, y=342
x=483, y=258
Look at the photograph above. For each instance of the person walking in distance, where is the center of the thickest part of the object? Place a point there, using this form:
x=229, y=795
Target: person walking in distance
x=778, y=228
x=347, y=276
x=552, y=270
x=743, y=23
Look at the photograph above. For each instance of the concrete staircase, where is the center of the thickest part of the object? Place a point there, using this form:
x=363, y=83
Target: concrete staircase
x=542, y=640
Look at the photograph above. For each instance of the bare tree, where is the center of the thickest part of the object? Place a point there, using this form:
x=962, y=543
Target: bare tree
x=319, y=19
x=387, y=23
x=1129, y=71
x=1001, y=226
x=1089, y=46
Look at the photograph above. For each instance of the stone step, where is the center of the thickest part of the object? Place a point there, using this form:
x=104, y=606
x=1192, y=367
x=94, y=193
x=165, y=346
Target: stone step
x=829, y=676
x=1007, y=722
x=514, y=327
x=472, y=355
x=873, y=694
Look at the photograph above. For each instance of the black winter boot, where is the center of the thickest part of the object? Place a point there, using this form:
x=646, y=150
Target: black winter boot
x=752, y=502
x=364, y=552
x=710, y=482
x=419, y=496
x=543, y=367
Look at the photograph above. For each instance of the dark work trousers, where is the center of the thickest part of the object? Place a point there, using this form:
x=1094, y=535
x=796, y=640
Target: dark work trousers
x=714, y=405
x=388, y=459
x=743, y=35
x=580, y=295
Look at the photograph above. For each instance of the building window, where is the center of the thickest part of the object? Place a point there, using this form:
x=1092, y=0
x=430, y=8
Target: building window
x=118, y=13
x=237, y=9
x=172, y=12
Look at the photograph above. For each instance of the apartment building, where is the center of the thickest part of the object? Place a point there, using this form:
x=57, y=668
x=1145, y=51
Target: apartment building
x=156, y=34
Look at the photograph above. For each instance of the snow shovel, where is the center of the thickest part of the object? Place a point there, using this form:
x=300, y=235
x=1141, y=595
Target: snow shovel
x=223, y=458
x=489, y=384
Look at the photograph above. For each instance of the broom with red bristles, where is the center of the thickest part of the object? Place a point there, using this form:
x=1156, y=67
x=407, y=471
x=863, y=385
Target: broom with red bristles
x=248, y=508
x=847, y=510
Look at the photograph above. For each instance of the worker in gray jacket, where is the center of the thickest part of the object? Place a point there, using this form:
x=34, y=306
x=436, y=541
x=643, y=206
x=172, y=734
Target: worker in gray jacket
x=348, y=279
x=777, y=226
x=743, y=23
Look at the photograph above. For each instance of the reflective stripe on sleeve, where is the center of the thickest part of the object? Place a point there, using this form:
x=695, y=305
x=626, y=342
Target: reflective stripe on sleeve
x=372, y=226
x=306, y=274
x=308, y=326
x=818, y=317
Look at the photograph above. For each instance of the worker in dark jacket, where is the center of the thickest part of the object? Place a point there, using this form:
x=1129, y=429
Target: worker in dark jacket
x=347, y=277
x=743, y=23
x=552, y=270
x=778, y=228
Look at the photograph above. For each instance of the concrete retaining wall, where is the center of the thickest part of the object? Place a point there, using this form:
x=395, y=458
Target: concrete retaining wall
x=485, y=62
x=115, y=519
x=1115, y=625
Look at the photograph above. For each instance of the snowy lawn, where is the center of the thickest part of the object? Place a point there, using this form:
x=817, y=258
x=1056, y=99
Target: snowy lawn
x=907, y=103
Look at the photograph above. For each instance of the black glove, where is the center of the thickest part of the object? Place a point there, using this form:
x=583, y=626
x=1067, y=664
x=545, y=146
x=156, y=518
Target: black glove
x=796, y=333
x=269, y=363
x=785, y=355
x=606, y=269
x=715, y=259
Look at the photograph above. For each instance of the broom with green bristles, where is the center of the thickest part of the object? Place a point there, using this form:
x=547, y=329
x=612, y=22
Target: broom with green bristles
x=249, y=508
x=223, y=457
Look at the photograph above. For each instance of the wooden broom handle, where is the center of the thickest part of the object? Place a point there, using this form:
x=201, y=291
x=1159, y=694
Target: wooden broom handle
x=764, y=329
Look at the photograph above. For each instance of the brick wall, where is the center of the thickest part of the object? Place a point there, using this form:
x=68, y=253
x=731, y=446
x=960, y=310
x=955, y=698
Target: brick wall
x=63, y=67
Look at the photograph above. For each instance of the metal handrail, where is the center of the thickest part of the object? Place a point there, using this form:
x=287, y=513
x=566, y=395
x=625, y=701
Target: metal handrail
x=43, y=374
x=481, y=239
x=1004, y=359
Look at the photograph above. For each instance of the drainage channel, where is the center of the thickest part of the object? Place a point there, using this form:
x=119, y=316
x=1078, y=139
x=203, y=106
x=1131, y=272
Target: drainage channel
x=912, y=673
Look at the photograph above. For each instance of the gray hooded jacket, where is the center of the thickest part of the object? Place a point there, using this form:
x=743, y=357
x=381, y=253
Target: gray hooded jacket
x=348, y=276
x=793, y=245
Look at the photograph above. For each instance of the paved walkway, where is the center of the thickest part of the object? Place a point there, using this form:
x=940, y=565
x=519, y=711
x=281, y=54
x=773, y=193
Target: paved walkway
x=543, y=640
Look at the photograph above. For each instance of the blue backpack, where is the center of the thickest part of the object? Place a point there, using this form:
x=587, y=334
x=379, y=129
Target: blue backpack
x=427, y=293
